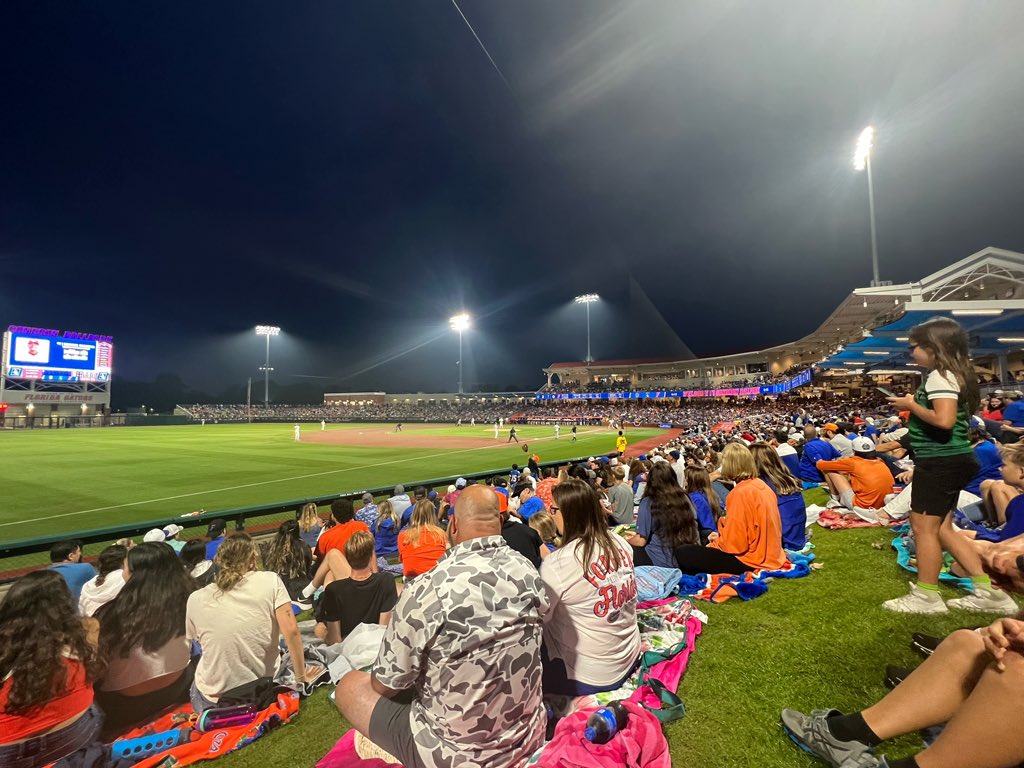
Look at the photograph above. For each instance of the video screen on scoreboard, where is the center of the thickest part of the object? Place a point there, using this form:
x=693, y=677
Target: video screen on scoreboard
x=63, y=356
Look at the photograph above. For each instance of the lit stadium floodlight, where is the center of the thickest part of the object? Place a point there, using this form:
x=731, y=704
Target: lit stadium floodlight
x=862, y=161
x=268, y=331
x=587, y=299
x=459, y=323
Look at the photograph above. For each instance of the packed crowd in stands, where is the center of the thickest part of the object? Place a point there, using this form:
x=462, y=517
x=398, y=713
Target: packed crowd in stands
x=668, y=382
x=522, y=589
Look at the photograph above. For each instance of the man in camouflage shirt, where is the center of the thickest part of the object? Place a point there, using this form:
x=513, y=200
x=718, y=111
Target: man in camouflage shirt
x=457, y=681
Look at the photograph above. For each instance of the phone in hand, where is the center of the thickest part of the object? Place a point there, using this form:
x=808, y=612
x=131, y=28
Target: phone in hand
x=886, y=392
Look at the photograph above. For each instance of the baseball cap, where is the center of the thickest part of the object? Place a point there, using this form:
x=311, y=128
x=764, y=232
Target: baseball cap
x=460, y=483
x=862, y=445
x=420, y=492
x=675, y=455
x=367, y=498
x=215, y=528
x=172, y=530
x=154, y=535
x=831, y=426
x=591, y=460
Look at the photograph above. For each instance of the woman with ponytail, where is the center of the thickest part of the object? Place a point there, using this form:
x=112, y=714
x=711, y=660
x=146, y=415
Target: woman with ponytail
x=238, y=621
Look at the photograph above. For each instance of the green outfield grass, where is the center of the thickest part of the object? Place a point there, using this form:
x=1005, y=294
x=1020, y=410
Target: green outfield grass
x=73, y=480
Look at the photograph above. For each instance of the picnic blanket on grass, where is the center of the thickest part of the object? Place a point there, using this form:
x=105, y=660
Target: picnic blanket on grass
x=909, y=562
x=719, y=587
x=839, y=519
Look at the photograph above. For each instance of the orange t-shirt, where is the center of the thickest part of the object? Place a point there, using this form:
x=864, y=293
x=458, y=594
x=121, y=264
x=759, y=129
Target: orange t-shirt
x=870, y=478
x=751, y=528
x=335, y=538
x=422, y=556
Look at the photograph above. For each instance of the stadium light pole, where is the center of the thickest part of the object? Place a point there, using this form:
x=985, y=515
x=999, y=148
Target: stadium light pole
x=268, y=331
x=460, y=323
x=861, y=162
x=588, y=299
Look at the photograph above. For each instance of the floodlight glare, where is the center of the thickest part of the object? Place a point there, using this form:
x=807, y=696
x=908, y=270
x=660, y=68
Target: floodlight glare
x=267, y=330
x=587, y=298
x=864, y=144
x=459, y=322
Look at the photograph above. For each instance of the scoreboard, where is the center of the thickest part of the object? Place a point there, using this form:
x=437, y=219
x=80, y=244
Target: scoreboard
x=44, y=354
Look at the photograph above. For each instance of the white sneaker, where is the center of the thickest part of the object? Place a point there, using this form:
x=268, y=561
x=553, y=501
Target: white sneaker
x=987, y=601
x=867, y=515
x=917, y=601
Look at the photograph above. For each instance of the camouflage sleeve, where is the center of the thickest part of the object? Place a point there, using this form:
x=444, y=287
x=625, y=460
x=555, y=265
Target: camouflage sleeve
x=417, y=619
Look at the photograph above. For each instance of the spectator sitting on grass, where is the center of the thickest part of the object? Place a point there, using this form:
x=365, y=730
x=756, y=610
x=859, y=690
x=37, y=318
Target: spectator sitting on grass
x=193, y=557
x=66, y=557
x=665, y=520
x=458, y=677
x=788, y=495
x=310, y=525
x=423, y=543
x=815, y=450
x=706, y=505
x=289, y=557
x=142, y=640
x=215, y=533
x=385, y=530
x=344, y=525
x=103, y=588
x=591, y=639
x=47, y=666
x=364, y=597
x=238, y=622
x=749, y=535
x=368, y=512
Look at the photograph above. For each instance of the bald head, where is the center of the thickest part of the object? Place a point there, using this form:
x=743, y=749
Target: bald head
x=476, y=514
x=810, y=432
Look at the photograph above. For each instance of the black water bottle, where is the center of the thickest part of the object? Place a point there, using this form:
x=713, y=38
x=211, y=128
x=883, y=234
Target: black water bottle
x=605, y=722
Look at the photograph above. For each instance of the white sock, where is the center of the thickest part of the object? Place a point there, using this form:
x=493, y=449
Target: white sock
x=308, y=590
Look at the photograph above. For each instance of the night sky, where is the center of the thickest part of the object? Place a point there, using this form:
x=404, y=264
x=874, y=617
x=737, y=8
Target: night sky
x=356, y=172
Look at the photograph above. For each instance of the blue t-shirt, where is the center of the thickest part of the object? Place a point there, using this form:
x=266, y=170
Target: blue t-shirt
x=705, y=515
x=991, y=463
x=75, y=575
x=531, y=507
x=1014, y=413
x=816, y=450
x=871, y=431
x=660, y=553
x=385, y=537
x=1014, y=525
x=213, y=546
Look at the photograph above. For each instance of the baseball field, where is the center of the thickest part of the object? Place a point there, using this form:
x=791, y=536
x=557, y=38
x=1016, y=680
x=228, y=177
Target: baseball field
x=73, y=480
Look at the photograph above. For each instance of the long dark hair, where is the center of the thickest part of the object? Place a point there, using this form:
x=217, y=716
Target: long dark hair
x=584, y=519
x=193, y=553
x=699, y=481
x=671, y=509
x=288, y=555
x=111, y=559
x=39, y=622
x=948, y=342
x=150, y=610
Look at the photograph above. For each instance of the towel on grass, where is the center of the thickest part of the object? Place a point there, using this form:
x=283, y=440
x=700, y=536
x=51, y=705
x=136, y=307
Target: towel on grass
x=719, y=587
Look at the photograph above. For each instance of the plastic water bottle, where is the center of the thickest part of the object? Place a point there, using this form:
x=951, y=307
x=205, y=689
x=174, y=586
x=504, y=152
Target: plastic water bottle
x=605, y=722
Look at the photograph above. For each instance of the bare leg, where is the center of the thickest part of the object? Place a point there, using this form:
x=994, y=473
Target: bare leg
x=933, y=692
x=929, y=549
x=355, y=699
x=960, y=547
x=334, y=566
x=841, y=488
x=1000, y=496
x=985, y=732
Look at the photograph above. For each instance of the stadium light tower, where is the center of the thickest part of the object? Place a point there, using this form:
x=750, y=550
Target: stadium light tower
x=268, y=331
x=460, y=323
x=862, y=161
x=588, y=299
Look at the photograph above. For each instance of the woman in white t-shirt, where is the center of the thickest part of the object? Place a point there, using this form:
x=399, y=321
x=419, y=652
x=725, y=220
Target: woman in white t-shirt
x=142, y=639
x=591, y=639
x=104, y=587
x=238, y=621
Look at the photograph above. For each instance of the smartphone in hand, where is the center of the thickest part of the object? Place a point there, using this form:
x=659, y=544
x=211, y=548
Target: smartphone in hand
x=886, y=392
